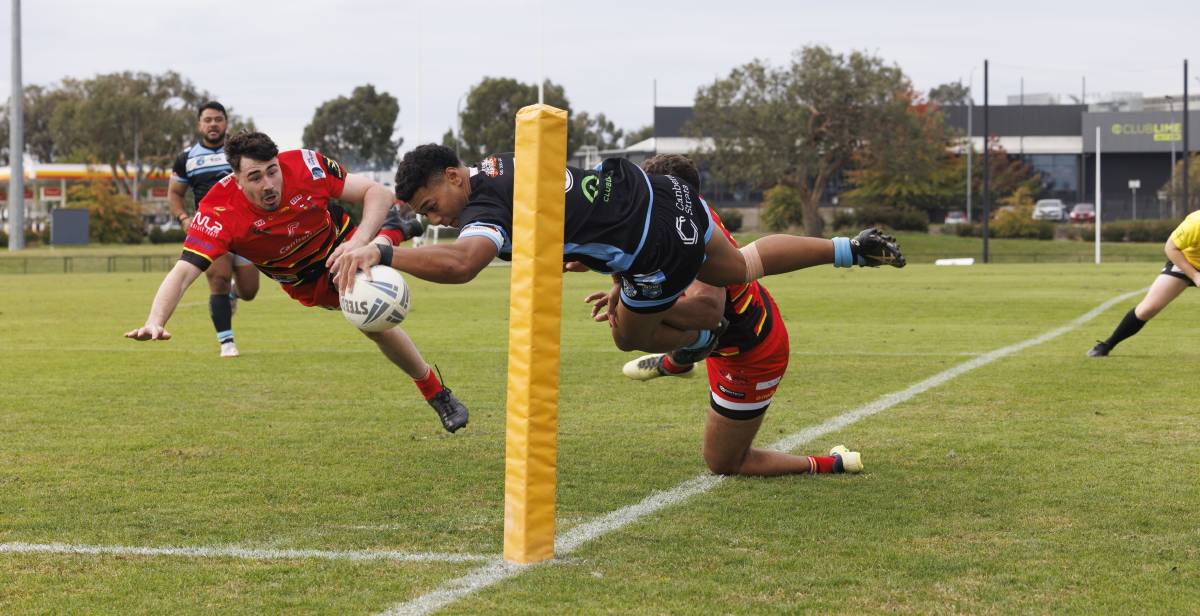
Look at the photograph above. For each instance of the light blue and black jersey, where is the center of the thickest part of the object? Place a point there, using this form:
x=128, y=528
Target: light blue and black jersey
x=649, y=229
x=200, y=168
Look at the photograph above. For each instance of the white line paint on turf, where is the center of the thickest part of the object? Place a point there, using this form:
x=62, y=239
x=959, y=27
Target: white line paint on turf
x=569, y=541
x=246, y=553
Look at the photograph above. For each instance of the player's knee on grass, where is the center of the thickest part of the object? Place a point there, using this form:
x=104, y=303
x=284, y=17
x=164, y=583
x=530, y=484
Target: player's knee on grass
x=724, y=465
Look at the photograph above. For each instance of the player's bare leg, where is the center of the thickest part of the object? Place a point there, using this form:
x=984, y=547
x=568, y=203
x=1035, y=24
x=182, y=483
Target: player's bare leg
x=399, y=348
x=220, y=276
x=1163, y=291
x=781, y=253
x=636, y=331
x=728, y=451
x=247, y=280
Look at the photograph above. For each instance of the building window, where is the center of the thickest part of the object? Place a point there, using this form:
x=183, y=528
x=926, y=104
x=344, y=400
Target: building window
x=1060, y=174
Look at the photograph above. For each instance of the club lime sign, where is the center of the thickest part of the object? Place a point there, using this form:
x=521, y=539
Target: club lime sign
x=1137, y=131
x=1158, y=131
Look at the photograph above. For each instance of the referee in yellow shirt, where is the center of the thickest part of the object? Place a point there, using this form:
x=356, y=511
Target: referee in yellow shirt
x=1180, y=272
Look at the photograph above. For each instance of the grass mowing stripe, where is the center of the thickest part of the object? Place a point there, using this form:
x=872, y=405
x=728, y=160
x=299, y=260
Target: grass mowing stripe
x=246, y=553
x=571, y=540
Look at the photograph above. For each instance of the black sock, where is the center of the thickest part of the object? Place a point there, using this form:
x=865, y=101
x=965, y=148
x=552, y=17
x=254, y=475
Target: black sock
x=222, y=316
x=1128, y=326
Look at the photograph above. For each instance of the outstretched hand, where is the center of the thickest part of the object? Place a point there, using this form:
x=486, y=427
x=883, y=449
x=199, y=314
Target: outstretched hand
x=149, y=332
x=346, y=264
x=604, y=304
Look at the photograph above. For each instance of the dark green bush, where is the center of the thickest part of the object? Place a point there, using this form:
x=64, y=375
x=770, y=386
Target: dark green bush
x=1136, y=230
x=731, y=218
x=900, y=219
x=170, y=236
x=968, y=230
x=31, y=237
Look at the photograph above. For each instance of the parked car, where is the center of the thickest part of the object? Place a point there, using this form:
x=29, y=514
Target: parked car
x=956, y=218
x=1083, y=212
x=1049, y=209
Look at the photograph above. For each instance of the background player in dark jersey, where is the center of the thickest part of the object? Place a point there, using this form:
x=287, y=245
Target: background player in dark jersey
x=199, y=168
x=275, y=210
x=651, y=232
x=746, y=367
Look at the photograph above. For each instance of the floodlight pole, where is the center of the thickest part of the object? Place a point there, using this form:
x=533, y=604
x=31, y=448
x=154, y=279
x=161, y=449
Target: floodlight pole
x=987, y=170
x=1098, y=200
x=16, y=141
x=1187, y=151
x=970, y=138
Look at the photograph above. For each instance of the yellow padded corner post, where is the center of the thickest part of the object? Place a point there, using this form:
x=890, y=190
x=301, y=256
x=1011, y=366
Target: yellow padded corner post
x=535, y=315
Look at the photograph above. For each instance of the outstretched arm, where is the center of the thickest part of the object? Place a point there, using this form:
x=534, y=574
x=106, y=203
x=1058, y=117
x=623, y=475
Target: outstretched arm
x=376, y=201
x=169, y=293
x=445, y=263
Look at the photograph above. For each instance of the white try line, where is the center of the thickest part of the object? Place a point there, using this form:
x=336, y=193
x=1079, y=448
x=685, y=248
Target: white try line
x=245, y=553
x=571, y=540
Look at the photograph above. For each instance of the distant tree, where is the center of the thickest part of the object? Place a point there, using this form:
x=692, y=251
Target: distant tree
x=596, y=131
x=641, y=134
x=1009, y=174
x=783, y=207
x=113, y=218
x=799, y=125
x=449, y=140
x=357, y=130
x=953, y=93
x=125, y=118
x=488, y=119
x=1174, y=187
x=39, y=106
x=909, y=163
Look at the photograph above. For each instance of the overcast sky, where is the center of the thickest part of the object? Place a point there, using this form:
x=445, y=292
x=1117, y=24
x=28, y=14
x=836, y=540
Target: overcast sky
x=276, y=60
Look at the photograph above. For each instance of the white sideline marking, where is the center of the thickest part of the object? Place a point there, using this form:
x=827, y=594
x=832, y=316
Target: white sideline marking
x=569, y=541
x=62, y=548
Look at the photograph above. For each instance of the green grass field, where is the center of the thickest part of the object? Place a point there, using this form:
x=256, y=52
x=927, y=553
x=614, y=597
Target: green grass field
x=1045, y=482
x=919, y=247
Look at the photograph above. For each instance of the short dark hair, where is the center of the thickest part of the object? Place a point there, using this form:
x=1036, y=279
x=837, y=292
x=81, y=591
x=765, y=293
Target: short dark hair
x=256, y=146
x=212, y=105
x=421, y=165
x=677, y=165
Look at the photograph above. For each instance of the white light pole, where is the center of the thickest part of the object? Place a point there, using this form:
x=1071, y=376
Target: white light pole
x=458, y=124
x=16, y=141
x=1098, y=200
x=1133, y=186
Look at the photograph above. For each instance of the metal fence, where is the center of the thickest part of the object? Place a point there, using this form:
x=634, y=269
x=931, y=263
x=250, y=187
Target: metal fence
x=87, y=264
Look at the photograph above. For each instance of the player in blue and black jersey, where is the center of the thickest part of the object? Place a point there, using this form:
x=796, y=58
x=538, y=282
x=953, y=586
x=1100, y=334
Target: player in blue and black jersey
x=653, y=233
x=199, y=168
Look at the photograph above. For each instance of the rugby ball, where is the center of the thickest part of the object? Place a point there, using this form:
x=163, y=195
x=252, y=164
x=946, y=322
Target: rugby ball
x=379, y=303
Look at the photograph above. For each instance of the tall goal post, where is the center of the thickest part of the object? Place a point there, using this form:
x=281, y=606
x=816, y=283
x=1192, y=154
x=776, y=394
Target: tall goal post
x=535, y=315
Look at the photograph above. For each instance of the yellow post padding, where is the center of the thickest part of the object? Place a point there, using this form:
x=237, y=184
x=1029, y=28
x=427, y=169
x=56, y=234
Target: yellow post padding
x=535, y=314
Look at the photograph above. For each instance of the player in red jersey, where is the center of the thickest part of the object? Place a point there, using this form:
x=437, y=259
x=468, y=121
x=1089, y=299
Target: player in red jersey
x=275, y=210
x=745, y=369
